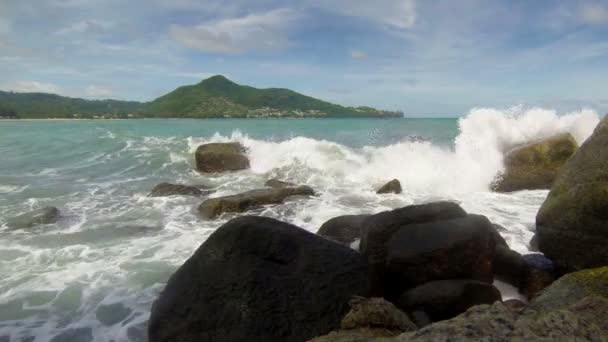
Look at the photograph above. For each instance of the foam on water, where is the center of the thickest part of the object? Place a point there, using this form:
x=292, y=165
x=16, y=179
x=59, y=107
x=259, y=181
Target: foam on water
x=116, y=245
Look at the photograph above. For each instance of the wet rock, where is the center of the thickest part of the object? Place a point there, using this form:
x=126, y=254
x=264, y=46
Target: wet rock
x=460, y=248
x=379, y=229
x=46, y=215
x=214, y=207
x=515, y=305
x=259, y=279
x=112, y=314
x=275, y=183
x=343, y=229
x=540, y=273
x=168, y=189
x=572, y=223
x=393, y=187
x=356, y=335
x=571, y=288
x=445, y=299
x=376, y=313
x=220, y=157
x=536, y=165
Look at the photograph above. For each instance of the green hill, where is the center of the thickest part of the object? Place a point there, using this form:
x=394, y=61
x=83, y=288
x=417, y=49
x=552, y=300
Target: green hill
x=216, y=97
x=219, y=97
x=41, y=105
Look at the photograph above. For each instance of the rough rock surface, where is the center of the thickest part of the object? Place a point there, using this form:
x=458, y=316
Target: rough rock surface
x=220, y=157
x=571, y=288
x=392, y=187
x=379, y=228
x=535, y=165
x=583, y=321
x=376, y=313
x=46, y=215
x=572, y=224
x=344, y=229
x=168, y=189
x=445, y=299
x=214, y=207
x=461, y=248
x=259, y=279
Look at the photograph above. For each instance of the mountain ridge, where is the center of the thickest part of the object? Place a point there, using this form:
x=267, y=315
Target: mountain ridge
x=214, y=97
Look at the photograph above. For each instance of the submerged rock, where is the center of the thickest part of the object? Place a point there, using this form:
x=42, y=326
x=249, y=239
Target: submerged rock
x=259, y=279
x=393, y=186
x=220, y=157
x=46, y=215
x=214, y=207
x=460, y=248
x=536, y=165
x=343, y=229
x=445, y=299
x=168, y=189
x=379, y=229
x=572, y=223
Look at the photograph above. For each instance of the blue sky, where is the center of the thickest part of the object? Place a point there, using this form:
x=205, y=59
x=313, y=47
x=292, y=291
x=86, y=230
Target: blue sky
x=424, y=57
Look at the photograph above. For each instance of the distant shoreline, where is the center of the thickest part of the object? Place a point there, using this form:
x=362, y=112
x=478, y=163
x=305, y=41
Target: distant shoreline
x=237, y=118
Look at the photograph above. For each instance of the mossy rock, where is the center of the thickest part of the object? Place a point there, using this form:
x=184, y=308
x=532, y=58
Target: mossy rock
x=572, y=224
x=571, y=288
x=536, y=165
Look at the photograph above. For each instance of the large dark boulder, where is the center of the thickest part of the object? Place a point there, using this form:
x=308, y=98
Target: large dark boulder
x=460, y=248
x=393, y=187
x=379, y=228
x=572, y=224
x=444, y=299
x=214, y=207
x=344, y=229
x=220, y=157
x=509, y=266
x=46, y=215
x=168, y=189
x=536, y=165
x=259, y=279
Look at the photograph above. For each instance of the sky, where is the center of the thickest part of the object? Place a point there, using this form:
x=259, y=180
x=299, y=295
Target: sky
x=424, y=57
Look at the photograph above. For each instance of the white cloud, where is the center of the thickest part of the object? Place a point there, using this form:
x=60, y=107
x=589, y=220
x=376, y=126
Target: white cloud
x=262, y=31
x=399, y=14
x=86, y=26
x=98, y=91
x=358, y=54
x=32, y=87
x=595, y=14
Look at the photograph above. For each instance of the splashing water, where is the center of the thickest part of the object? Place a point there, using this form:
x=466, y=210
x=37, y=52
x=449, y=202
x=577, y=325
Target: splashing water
x=95, y=274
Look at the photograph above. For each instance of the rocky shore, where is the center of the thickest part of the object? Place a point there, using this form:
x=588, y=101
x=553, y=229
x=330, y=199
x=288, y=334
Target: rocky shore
x=425, y=272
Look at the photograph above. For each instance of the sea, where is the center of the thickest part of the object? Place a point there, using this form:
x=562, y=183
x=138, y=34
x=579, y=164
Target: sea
x=94, y=275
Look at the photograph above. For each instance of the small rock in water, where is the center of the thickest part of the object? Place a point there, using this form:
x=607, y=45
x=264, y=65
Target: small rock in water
x=168, y=189
x=46, y=215
x=74, y=335
x=275, y=183
x=220, y=157
x=214, y=207
x=393, y=186
x=112, y=314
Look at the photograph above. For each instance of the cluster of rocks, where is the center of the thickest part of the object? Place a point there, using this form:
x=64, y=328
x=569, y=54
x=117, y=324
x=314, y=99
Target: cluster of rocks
x=421, y=273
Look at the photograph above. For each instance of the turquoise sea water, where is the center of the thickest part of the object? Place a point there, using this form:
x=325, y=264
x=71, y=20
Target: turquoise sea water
x=94, y=275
